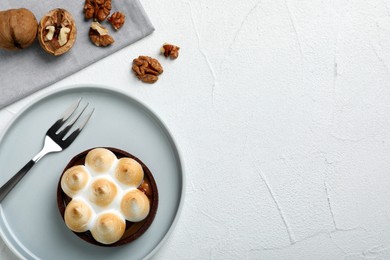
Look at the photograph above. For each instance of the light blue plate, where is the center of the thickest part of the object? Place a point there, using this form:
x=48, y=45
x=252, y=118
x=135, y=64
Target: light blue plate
x=30, y=222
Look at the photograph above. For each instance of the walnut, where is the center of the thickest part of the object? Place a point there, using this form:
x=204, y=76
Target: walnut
x=57, y=32
x=147, y=69
x=99, y=35
x=170, y=50
x=18, y=29
x=117, y=20
x=97, y=9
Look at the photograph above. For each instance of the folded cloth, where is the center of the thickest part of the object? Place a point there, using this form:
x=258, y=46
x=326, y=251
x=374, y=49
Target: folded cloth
x=26, y=71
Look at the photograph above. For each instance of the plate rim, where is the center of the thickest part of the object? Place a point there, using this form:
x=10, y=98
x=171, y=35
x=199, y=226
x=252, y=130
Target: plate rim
x=110, y=89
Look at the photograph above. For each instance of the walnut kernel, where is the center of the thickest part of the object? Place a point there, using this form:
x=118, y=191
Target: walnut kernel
x=63, y=36
x=50, y=32
x=99, y=35
x=170, y=50
x=97, y=9
x=147, y=69
x=117, y=20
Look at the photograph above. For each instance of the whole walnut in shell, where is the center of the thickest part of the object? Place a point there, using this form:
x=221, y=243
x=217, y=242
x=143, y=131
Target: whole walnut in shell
x=18, y=28
x=57, y=32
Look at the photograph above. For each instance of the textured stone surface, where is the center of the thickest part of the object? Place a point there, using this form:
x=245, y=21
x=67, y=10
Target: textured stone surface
x=281, y=111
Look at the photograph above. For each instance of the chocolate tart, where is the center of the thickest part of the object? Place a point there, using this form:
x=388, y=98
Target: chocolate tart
x=133, y=229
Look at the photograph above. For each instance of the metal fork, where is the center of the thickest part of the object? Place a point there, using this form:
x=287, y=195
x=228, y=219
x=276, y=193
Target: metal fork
x=55, y=141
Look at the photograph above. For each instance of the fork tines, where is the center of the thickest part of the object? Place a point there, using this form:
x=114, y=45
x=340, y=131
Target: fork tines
x=60, y=132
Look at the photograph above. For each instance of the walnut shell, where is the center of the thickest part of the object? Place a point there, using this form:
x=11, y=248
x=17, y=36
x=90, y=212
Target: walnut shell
x=57, y=32
x=18, y=29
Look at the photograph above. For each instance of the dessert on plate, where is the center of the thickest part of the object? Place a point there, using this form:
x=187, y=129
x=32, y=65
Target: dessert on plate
x=107, y=196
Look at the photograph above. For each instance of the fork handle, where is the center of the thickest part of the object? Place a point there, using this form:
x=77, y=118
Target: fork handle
x=7, y=187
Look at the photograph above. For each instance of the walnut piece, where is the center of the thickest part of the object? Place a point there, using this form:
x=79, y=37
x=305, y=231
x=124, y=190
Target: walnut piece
x=99, y=35
x=63, y=36
x=117, y=20
x=147, y=69
x=97, y=9
x=50, y=32
x=170, y=50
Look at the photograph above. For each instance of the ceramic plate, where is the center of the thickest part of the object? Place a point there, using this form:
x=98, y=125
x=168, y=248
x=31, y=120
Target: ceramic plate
x=30, y=222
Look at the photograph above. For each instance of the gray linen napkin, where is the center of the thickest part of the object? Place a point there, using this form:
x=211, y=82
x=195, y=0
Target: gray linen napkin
x=26, y=71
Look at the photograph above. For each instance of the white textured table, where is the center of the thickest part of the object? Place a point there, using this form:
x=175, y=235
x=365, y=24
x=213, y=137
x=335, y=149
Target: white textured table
x=281, y=109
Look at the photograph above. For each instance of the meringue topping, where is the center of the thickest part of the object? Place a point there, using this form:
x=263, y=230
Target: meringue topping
x=135, y=205
x=108, y=228
x=103, y=192
x=77, y=216
x=74, y=180
x=104, y=195
x=129, y=172
x=100, y=160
